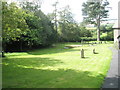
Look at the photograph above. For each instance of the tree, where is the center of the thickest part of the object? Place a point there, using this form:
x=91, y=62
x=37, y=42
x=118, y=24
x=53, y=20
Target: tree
x=41, y=28
x=84, y=32
x=13, y=23
x=95, y=12
x=31, y=6
x=55, y=15
x=106, y=28
x=25, y=26
x=68, y=28
x=107, y=32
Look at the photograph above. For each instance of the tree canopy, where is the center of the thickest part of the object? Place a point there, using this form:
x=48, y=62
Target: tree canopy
x=27, y=25
x=94, y=12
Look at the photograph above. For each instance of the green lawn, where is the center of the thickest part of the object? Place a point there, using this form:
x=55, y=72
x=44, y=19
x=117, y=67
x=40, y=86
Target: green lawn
x=56, y=67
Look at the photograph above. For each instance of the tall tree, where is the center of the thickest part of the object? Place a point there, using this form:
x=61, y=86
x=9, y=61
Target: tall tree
x=55, y=15
x=68, y=28
x=30, y=6
x=94, y=12
x=40, y=26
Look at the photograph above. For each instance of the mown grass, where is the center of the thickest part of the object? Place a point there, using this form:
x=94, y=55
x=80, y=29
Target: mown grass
x=57, y=67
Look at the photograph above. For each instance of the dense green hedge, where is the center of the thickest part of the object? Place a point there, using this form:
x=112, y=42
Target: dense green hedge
x=88, y=38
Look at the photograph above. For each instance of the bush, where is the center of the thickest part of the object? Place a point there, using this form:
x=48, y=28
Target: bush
x=88, y=38
x=107, y=36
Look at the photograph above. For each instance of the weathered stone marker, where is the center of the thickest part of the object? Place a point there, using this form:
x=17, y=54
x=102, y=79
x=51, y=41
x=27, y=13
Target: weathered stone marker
x=82, y=53
x=94, y=51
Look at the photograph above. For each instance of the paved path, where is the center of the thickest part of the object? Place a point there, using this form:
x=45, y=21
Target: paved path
x=111, y=81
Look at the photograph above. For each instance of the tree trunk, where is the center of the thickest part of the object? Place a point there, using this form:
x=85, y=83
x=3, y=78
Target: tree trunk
x=55, y=17
x=3, y=49
x=98, y=29
x=30, y=46
x=21, y=45
x=3, y=55
x=98, y=34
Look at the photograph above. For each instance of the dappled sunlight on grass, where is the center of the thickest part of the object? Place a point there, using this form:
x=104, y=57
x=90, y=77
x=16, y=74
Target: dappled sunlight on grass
x=60, y=68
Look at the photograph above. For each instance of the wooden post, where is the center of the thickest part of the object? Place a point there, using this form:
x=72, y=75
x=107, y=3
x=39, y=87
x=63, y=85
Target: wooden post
x=82, y=53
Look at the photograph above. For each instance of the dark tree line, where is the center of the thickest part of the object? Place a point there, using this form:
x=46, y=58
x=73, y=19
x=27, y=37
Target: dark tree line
x=25, y=27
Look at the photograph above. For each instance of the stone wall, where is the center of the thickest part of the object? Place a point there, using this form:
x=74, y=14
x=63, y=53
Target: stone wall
x=116, y=27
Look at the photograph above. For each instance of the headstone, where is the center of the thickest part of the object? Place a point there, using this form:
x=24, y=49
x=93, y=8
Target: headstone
x=82, y=53
x=66, y=47
x=94, y=51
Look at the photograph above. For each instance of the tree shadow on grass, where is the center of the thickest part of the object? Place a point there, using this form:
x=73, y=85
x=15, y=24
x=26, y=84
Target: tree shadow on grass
x=49, y=51
x=28, y=76
x=32, y=62
x=53, y=51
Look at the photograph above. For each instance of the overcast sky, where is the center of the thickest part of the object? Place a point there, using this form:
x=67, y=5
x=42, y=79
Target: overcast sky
x=76, y=7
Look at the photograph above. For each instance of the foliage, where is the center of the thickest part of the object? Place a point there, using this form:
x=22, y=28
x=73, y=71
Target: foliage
x=68, y=28
x=26, y=25
x=41, y=29
x=107, y=36
x=88, y=39
x=107, y=32
x=106, y=28
x=94, y=12
x=84, y=31
x=13, y=22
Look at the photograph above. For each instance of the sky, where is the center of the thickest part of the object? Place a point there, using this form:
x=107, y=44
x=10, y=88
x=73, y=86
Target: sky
x=76, y=7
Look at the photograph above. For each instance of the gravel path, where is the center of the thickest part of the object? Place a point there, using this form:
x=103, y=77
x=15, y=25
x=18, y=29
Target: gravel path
x=111, y=81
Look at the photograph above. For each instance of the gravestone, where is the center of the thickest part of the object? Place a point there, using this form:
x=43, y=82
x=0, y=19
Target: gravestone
x=82, y=53
x=94, y=51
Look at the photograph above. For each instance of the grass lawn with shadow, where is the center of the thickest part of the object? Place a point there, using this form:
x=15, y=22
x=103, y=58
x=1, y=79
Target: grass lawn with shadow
x=57, y=67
